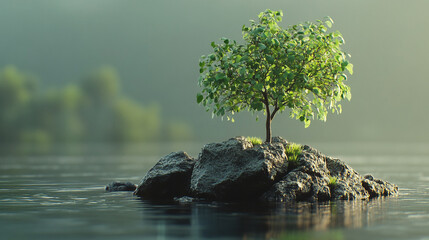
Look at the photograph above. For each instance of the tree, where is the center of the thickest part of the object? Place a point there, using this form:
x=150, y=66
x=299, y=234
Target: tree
x=17, y=88
x=131, y=122
x=301, y=68
x=100, y=92
x=102, y=86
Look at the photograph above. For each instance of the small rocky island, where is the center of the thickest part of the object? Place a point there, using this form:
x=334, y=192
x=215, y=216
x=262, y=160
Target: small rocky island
x=237, y=170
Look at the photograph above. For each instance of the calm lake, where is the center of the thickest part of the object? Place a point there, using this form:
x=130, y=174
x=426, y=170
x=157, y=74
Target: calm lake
x=63, y=197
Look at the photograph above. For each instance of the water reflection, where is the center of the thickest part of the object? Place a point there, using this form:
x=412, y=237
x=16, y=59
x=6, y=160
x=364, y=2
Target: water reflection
x=59, y=197
x=256, y=221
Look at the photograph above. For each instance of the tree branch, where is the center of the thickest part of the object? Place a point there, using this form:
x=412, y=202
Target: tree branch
x=274, y=112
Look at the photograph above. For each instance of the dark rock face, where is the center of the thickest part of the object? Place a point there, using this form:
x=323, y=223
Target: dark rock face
x=309, y=181
x=294, y=187
x=121, y=186
x=169, y=178
x=235, y=170
x=377, y=187
x=349, y=182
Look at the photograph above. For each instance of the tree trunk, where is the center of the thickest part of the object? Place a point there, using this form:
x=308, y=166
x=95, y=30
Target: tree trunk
x=269, y=118
x=268, y=129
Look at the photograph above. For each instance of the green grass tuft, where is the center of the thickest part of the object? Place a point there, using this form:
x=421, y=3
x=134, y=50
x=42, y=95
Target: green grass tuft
x=332, y=182
x=254, y=140
x=293, y=150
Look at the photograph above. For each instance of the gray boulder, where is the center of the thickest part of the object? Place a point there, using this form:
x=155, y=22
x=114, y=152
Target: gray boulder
x=121, y=186
x=237, y=170
x=169, y=178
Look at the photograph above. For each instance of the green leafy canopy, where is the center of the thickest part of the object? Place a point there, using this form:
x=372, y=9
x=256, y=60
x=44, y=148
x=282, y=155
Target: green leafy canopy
x=300, y=67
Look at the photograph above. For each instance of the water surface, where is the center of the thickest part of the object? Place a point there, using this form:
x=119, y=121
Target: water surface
x=51, y=197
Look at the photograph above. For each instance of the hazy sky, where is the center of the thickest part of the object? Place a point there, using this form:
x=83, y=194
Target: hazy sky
x=155, y=46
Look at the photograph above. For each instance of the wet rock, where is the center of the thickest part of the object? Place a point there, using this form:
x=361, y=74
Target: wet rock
x=349, y=182
x=321, y=191
x=340, y=169
x=295, y=186
x=312, y=162
x=309, y=180
x=377, y=187
x=121, y=186
x=169, y=178
x=237, y=170
x=280, y=140
x=344, y=190
x=185, y=199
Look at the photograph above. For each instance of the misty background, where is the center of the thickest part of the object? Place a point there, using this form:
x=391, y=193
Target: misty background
x=150, y=50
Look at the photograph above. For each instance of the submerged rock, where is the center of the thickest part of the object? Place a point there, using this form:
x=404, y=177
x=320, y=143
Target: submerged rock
x=121, y=186
x=169, y=178
x=235, y=170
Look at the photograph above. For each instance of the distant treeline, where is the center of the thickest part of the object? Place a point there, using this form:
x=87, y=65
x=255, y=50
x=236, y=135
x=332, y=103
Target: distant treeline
x=91, y=110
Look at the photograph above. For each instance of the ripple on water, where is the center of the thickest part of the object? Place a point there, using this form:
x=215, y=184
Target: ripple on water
x=44, y=196
x=52, y=200
x=126, y=179
x=419, y=216
x=85, y=189
x=79, y=198
x=79, y=174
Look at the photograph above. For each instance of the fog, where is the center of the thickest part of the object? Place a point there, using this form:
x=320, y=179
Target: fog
x=155, y=46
